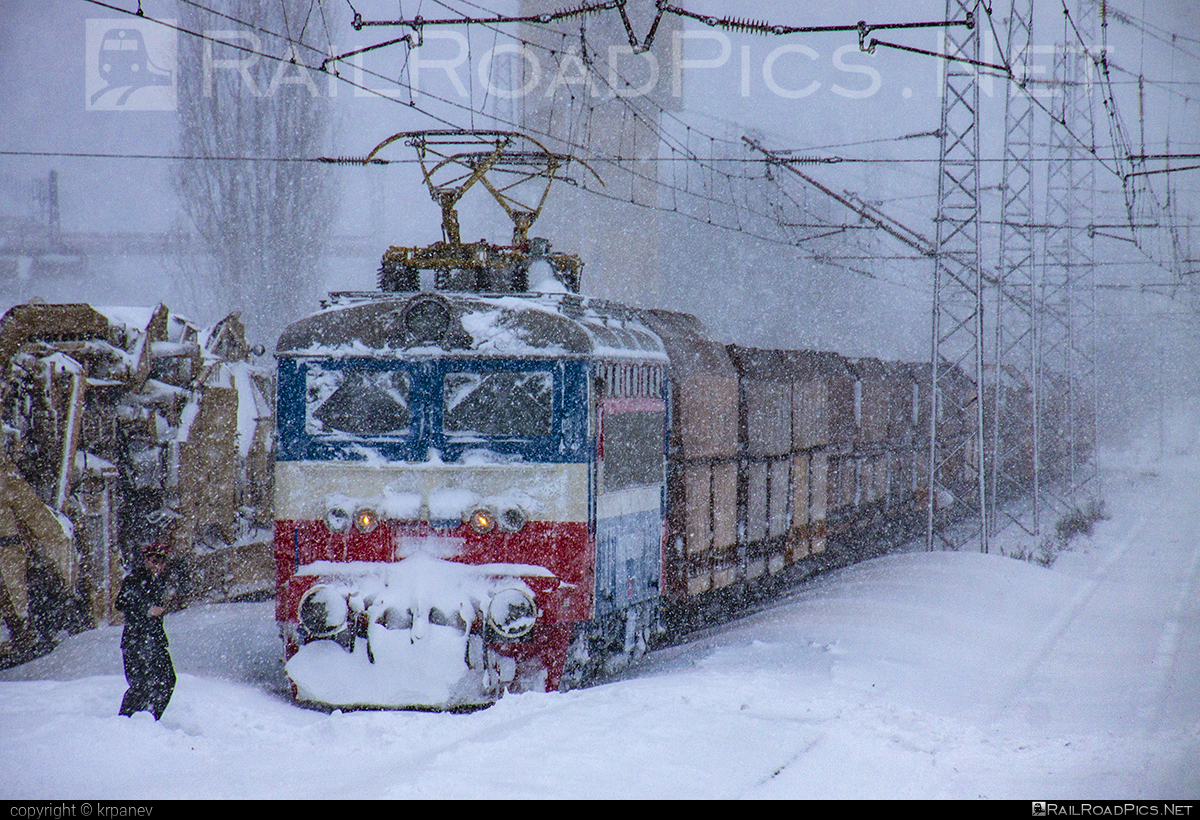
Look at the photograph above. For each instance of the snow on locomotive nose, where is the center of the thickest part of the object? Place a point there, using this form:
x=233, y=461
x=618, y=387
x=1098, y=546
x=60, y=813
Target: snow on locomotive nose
x=416, y=632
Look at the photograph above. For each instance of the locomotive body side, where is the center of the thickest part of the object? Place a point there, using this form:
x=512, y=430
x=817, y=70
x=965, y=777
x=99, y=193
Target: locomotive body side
x=631, y=463
x=447, y=522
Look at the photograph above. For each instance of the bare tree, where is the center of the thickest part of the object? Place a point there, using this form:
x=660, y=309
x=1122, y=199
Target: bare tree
x=265, y=220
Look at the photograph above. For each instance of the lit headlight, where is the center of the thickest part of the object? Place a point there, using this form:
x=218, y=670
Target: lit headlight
x=365, y=520
x=323, y=613
x=337, y=520
x=482, y=521
x=512, y=613
x=512, y=519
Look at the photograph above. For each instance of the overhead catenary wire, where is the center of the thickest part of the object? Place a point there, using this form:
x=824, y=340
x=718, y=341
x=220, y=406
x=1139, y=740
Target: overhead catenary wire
x=1110, y=164
x=709, y=194
x=204, y=157
x=441, y=120
x=739, y=24
x=680, y=148
x=492, y=18
x=1007, y=73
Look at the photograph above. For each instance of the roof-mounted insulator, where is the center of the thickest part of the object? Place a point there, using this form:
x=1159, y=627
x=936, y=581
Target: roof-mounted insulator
x=353, y=160
x=739, y=24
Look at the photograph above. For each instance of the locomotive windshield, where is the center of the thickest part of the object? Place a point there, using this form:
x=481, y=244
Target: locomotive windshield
x=331, y=408
x=502, y=404
x=357, y=402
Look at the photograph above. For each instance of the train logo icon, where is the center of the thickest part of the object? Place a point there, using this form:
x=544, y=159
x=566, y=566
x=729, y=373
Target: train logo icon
x=130, y=65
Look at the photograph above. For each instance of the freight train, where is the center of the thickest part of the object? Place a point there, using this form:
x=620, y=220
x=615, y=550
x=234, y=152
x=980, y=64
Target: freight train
x=486, y=482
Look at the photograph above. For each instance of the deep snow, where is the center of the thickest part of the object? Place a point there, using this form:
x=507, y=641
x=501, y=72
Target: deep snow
x=914, y=675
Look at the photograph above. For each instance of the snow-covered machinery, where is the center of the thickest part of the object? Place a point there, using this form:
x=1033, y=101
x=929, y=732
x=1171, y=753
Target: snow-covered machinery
x=123, y=426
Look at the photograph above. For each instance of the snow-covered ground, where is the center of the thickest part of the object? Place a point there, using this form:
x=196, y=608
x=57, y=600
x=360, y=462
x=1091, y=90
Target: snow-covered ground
x=915, y=675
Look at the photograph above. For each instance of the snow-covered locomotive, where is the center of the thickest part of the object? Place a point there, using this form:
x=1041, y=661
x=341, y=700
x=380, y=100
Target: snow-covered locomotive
x=486, y=482
x=462, y=480
x=470, y=470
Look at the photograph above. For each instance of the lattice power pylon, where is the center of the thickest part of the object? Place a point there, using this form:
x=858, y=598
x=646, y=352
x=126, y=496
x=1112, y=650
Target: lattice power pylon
x=1015, y=439
x=957, y=476
x=1067, y=367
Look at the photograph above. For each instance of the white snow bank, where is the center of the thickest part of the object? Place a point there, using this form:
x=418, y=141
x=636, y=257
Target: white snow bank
x=922, y=675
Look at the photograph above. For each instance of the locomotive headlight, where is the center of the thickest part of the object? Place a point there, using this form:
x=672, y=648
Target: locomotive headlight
x=427, y=318
x=365, y=520
x=512, y=613
x=482, y=521
x=337, y=520
x=512, y=519
x=322, y=612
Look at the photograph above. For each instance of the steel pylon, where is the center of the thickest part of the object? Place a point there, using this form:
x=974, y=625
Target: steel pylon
x=1067, y=326
x=1015, y=438
x=957, y=479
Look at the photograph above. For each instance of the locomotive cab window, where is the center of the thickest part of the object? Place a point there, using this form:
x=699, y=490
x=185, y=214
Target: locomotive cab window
x=633, y=450
x=353, y=402
x=498, y=404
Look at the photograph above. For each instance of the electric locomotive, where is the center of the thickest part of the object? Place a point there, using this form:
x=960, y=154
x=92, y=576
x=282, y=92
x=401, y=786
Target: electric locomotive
x=485, y=482
x=470, y=481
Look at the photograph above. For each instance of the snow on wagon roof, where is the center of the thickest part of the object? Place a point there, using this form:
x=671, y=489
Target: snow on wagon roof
x=359, y=324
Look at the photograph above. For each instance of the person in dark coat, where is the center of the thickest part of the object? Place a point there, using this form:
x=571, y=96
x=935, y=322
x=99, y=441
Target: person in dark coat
x=148, y=666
